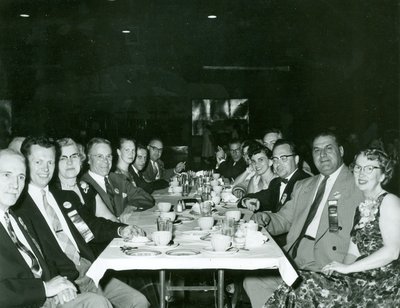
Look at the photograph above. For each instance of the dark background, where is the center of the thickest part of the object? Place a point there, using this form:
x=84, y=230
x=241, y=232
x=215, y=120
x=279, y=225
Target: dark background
x=69, y=70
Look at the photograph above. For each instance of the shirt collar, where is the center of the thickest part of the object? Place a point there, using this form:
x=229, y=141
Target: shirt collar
x=98, y=178
x=32, y=188
x=334, y=175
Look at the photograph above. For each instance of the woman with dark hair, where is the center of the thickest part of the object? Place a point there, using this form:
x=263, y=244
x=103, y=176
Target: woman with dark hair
x=370, y=274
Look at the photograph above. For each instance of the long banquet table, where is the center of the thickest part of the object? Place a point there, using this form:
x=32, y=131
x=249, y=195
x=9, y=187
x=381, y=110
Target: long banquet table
x=267, y=256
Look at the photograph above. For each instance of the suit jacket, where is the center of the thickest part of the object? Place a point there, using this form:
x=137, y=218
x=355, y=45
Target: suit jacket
x=18, y=285
x=42, y=233
x=150, y=175
x=269, y=198
x=125, y=194
x=104, y=230
x=230, y=171
x=147, y=186
x=328, y=246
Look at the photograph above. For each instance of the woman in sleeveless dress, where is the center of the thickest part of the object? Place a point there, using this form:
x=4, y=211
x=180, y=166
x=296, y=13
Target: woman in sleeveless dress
x=370, y=274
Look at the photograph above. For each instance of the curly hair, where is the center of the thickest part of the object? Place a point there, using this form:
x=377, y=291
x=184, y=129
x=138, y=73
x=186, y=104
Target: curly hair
x=386, y=163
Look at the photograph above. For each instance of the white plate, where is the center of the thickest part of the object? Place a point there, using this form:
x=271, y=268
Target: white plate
x=210, y=251
x=141, y=252
x=182, y=253
x=152, y=244
x=195, y=232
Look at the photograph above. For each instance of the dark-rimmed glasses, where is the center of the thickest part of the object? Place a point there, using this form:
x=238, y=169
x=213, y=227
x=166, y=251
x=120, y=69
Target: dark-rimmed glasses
x=368, y=169
x=282, y=158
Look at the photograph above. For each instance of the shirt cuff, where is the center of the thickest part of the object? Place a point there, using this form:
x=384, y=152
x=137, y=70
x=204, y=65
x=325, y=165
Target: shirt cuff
x=119, y=231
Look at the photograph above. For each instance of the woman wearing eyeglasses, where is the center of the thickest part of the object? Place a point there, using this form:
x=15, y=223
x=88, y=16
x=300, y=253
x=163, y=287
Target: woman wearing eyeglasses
x=370, y=274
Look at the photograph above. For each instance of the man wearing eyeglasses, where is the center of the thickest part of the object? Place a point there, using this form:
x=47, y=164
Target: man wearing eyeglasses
x=318, y=218
x=234, y=165
x=117, y=193
x=155, y=169
x=285, y=162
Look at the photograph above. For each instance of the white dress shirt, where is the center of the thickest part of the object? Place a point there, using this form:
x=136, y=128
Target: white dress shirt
x=36, y=194
x=283, y=185
x=99, y=179
x=313, y=226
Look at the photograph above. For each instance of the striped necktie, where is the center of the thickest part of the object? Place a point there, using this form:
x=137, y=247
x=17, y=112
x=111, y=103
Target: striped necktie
x=110, y=193
x=35, y=266
x=66, y=244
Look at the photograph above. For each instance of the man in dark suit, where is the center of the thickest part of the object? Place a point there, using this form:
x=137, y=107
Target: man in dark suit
x=26, y=279
x=136, y=170
x=155, y=169
x=234, y=165
x=117, y=193
x=59, y=239
x=285, y=162
x=315, y=236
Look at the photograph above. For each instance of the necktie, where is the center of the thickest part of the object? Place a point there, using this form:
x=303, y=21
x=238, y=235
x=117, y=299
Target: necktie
x=110, y=193
x=311, y=215
x=284, y=181
x=156, y=170
x=35, y=267
x=66, y=245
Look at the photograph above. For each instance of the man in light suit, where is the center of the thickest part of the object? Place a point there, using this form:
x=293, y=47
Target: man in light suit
x=26, y=279
x=316, y=236
x=119, y=195
x=155, y=169
x=59, y=238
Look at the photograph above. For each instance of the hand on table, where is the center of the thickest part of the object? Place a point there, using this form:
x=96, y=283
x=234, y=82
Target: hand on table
x=253, y=204
x=128, y=232
x=59, y=284
x=261, y=218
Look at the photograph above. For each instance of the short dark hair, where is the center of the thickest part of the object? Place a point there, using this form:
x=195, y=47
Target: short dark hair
x=96, y=140
x=234, y=141
x=43, y=141
x=121, y=141
x=272, y=130
x=140, y=146
x=256, y=148
x=329, y=133
x=290, y=143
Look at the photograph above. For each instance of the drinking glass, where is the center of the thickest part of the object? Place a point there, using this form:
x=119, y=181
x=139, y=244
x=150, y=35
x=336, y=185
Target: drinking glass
x=164, y=224
x=228, y=226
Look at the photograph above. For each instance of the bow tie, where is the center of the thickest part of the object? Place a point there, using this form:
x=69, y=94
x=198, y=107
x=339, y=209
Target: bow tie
x=285, y=181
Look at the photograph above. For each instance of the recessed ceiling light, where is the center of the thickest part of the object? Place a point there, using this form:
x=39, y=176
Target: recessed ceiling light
x=24, y=15
x=126, y=31
x=212, y=16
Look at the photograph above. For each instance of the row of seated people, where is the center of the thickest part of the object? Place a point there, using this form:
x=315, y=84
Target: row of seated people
x=318, y=238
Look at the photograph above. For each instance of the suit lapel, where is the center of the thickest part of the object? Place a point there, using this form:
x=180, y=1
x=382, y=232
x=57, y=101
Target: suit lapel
x=103, y=195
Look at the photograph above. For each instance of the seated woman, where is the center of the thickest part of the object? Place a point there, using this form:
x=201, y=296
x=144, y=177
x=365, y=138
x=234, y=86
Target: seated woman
x=126, y=155
x=370, y=275
x=239, y=186
x=260, y=160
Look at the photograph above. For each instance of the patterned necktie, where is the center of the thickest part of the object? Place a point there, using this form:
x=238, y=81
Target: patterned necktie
x=110, y=193
x=35, y=267
x=156, y=169
x=66, y=245
x=311, y=215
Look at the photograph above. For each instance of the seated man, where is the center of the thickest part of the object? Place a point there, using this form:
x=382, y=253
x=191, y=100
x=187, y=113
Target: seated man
x=234, y=165
x=314, y=239
x=136, y=171
x=59, y=238
x=26, y=278
x=285, y=160
x=155, y=169
x=117, y=193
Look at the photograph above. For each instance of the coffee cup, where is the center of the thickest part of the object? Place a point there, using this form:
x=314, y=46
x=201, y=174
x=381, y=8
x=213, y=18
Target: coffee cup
x=236, y=214
x=168, y=215
x=162, y=238
x=205, y=223
x=164, y=206
x=251, y=225
x=216, y=200
x=217, y=189
x=220, y=242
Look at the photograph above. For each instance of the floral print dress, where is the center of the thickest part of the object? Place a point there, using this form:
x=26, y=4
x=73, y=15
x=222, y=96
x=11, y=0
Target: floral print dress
x=378, y=287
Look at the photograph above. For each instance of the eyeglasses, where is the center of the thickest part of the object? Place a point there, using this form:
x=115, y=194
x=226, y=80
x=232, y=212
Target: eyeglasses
x=65, y=158
x=235, y=150
x=102, y=157
x=366, y=169
x=282, y=158
x=155, y=148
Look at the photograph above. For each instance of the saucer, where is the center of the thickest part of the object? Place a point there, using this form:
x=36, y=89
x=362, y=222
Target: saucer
x=140, y=252
x=152, y=244
x=211, y=251
x=182, y=253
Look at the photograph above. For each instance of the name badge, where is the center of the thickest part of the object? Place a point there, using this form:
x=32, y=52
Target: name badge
x=333, y=216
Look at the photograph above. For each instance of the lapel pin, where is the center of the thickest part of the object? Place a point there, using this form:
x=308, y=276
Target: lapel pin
x=67, y=205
